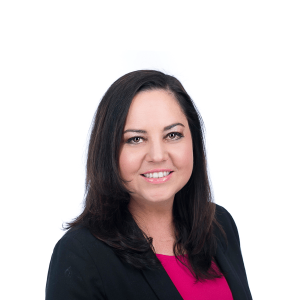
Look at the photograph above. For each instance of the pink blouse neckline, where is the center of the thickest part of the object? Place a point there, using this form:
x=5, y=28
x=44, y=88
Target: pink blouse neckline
x=185, y=282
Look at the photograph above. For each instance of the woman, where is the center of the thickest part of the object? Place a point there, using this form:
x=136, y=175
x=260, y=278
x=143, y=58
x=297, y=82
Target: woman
x=149, y=229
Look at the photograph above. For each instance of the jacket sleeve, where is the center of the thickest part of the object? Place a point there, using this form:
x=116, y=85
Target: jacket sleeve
x=226, y=221
x=231, y=259
x=233, y=228
x=72, y=273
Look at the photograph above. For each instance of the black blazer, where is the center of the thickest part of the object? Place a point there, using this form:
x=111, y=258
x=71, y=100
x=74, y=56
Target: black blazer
x=82, y=267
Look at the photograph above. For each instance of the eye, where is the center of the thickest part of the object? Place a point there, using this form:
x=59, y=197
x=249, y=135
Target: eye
x=134, y=140
x=175, y=135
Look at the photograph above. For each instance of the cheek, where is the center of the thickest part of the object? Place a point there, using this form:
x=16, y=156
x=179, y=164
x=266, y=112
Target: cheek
x=188, y=159
x=128, y=164
x=185, y=160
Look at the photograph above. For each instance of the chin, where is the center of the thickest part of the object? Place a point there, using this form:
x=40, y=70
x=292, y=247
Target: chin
x=159, y=198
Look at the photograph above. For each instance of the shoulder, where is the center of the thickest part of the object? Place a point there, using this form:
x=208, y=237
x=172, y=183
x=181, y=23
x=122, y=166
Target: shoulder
x=79, y=234
x=80, y=240
x=230, y=257
x=227, y=222
x=75, y=266
x=78, y=244
x=84, y=267
x=222, y=214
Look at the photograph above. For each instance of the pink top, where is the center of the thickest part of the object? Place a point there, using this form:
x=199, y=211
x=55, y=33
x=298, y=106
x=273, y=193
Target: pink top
x=184, y=281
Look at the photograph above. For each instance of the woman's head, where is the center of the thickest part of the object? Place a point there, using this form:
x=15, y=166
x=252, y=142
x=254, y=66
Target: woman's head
x=143, y=92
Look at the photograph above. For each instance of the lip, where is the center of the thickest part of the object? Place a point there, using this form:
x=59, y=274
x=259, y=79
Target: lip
x=158, y=170
x=158, y=180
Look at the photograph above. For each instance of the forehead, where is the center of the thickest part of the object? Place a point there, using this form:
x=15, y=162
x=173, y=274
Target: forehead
x=149, y=108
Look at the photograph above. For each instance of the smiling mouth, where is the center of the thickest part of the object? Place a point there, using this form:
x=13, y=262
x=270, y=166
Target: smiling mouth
x=157, y=174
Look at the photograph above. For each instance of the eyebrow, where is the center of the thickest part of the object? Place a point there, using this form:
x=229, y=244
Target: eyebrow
x=144, y=131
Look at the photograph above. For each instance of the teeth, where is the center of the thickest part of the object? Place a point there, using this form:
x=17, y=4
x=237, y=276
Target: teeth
x=157, y=174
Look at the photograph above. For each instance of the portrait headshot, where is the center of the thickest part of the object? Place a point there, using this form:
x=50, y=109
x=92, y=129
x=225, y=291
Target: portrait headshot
x=150, y=150
x=149, y=225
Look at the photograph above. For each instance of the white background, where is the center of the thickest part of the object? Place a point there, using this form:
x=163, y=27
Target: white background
x=239, y=61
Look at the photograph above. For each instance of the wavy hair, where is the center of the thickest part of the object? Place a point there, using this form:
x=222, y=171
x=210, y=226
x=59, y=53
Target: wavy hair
x=106, y=212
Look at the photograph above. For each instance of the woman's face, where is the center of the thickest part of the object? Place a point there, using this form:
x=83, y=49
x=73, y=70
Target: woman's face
x=156, y=141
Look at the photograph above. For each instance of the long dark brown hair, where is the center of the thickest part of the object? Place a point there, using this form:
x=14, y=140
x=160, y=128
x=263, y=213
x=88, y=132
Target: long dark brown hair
x=106, y=212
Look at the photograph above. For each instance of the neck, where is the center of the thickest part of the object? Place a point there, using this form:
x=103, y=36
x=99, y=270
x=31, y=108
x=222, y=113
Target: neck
x=154, y=219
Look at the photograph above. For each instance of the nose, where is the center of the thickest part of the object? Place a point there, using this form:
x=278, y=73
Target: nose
x=157, y=152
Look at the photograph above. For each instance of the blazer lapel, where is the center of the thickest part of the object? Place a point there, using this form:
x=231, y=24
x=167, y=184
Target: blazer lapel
x=161, y=284
x=164, y=288
x=233, y=280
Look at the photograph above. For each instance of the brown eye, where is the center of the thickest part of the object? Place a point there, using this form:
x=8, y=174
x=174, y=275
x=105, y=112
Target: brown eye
x=135, y=140
x=175, y=135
